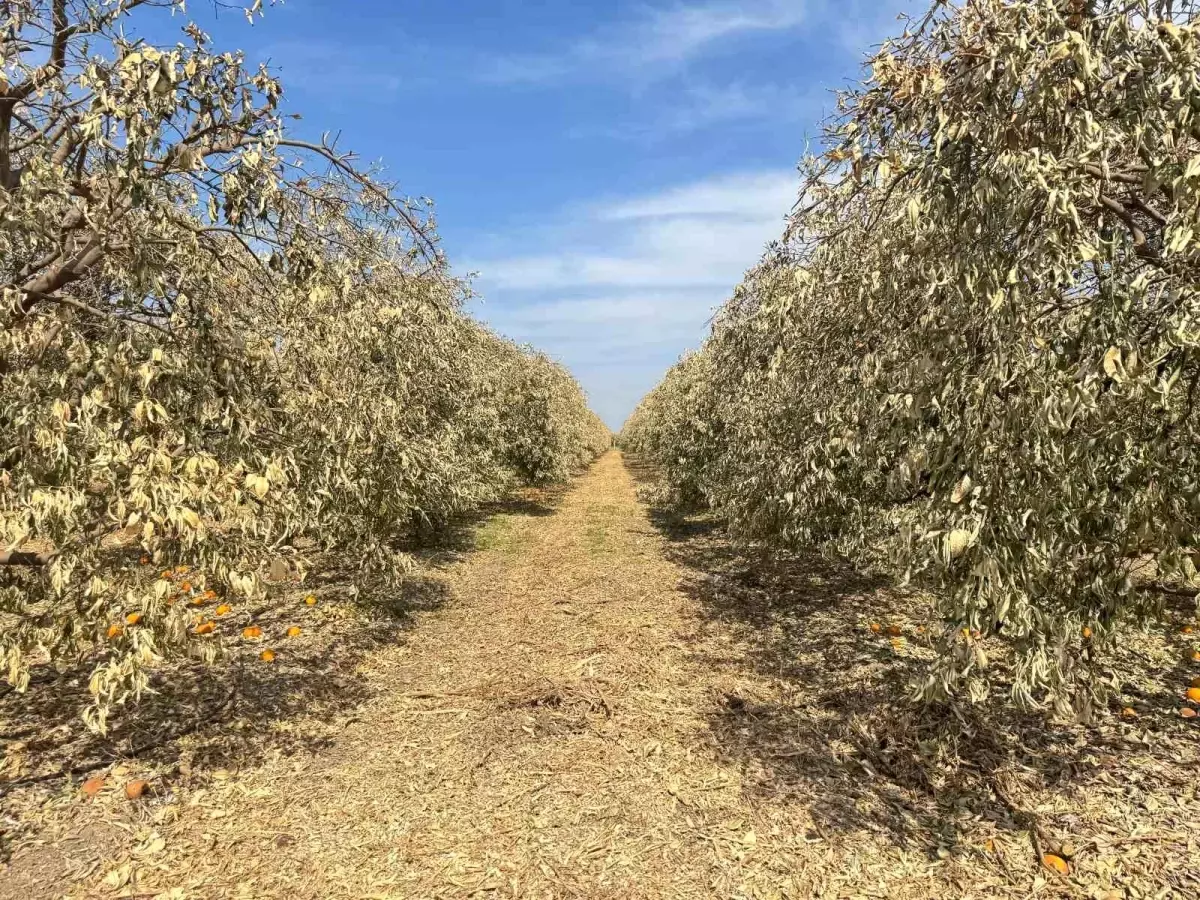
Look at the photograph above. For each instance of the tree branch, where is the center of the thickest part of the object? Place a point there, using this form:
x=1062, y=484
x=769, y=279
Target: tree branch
x=27, y=558
x=343, y=166
x=1141, y=246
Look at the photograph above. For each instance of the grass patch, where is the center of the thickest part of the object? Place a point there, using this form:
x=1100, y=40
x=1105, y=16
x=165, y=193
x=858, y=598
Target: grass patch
x=502, y=534
x=597, y=538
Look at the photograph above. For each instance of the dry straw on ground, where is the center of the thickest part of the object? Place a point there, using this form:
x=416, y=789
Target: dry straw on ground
x=605, y=702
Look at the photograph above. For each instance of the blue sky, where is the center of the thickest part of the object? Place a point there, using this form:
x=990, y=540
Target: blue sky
x=608, y=169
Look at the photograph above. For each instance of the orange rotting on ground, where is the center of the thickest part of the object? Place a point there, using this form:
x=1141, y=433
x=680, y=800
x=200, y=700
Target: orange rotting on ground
x=1056, y=863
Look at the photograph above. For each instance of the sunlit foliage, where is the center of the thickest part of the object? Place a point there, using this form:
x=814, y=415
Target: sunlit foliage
x=976, y=349
x=220, y=344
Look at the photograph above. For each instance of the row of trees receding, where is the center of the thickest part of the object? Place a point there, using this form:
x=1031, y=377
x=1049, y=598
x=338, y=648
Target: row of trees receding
x=218, y=341
x=974, y=356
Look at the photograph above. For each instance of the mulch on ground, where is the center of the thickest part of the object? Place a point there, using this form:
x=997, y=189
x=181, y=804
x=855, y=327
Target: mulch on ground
x=605, y=701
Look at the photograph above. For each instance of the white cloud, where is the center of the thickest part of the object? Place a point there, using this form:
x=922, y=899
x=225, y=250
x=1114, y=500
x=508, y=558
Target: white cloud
x=658, y=39
x=635, y=279
x=742, y=195
x=605, y=311
x=575, y=269
x=696, y=106
x=701, y=234
x=703, y=106
x=677, y=34
x=671, y=253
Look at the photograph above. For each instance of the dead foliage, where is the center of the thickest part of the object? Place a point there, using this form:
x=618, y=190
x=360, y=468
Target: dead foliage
x=662, y=716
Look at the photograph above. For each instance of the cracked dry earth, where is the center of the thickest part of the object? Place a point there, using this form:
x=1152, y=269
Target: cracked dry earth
x=576, y=722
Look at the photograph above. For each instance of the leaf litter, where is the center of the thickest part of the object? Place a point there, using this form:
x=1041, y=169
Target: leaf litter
x=662, y=716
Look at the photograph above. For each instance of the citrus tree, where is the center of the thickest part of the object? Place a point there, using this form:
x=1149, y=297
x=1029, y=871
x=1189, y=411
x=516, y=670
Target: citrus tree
x=977, y=346
x=549, y=434
x=220, y=343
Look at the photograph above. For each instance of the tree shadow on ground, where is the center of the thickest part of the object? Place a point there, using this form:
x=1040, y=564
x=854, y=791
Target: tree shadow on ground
x=226, y=714
x=819, y=711
x=234, y=712
x=447, y=542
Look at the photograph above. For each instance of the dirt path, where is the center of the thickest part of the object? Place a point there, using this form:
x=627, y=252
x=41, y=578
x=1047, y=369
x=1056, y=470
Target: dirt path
x=579, y=723
x=533, y=740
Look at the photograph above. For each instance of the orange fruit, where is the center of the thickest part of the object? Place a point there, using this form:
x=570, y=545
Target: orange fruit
x=267, y=656
x=186, y=587
x=167, y=576
x=252, y=633
x=210, y=595
x=205, y=628
x=114, y=631
x=133, y=618
x=294, y=631
x=1187, y=712
x=310, y=600
x=1193, y=694
x=1056, y=863
x=135, y=789
x=1187, y=629
x=92, y=786
x=876, y=628
x=222, y=609
x=1087, y=632
x=894, y=631
x=1129, y=713
x=1195, y=657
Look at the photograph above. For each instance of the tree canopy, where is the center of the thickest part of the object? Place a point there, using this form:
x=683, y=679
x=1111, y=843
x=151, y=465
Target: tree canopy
x=974, y=354
x=220, y=342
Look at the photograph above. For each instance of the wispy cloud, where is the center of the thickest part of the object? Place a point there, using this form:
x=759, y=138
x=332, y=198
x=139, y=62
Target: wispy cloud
x=658, y=39
x=701, y=234
x=704, y=106
x=635, y=278
x=738, y=196
x=697, y=106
